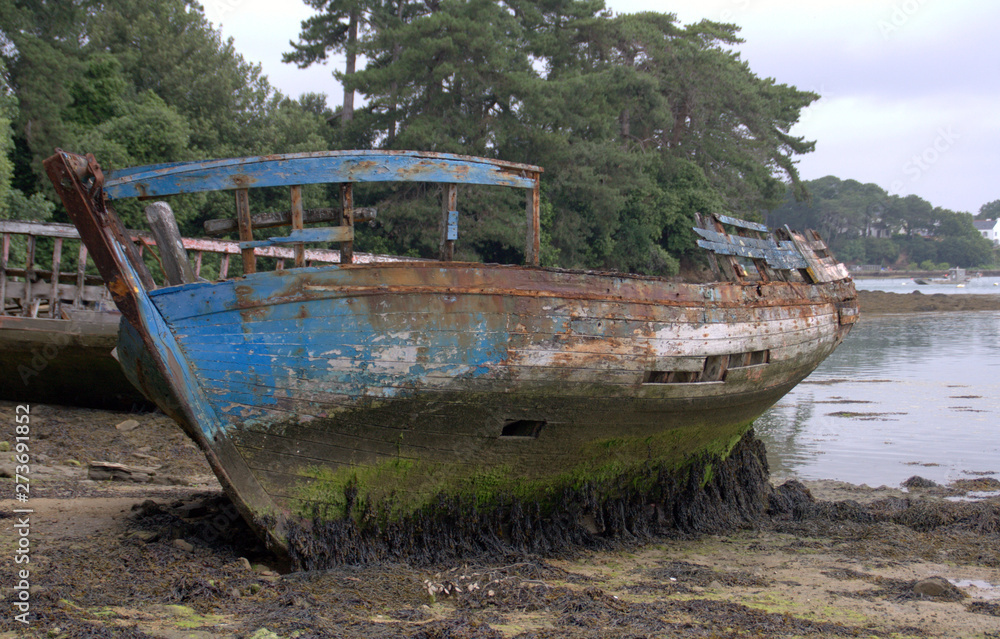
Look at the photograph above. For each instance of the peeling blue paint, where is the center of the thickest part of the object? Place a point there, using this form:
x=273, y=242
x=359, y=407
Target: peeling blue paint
x=315, y=168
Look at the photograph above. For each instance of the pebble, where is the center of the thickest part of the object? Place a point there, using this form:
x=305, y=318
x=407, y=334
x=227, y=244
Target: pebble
x=146, y=535
x=127, y=425
x=186, y=546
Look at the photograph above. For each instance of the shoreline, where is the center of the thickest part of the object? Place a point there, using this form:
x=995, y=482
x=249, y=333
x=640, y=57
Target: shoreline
x=882, y=302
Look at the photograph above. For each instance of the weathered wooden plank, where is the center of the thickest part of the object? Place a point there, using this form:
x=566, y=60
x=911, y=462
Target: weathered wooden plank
x=68, y=292
x=743, y=224
x=54, y=302
x=29, y=270
x=273, y=219
x=449, y=223
x=297, y=221
x=776, y=257
x=314, y=168
x=4, y=256
x=347, y=220
x=81, y=275
x=317, y=234
x=43, y=229
x=534, y=228
x=246, y=230
x=764, y=245
x=168, y=239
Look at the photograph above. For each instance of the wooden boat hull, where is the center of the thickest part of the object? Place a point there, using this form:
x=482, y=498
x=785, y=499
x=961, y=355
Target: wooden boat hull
x=65, y=361
x=374, y=397
x=398, y=384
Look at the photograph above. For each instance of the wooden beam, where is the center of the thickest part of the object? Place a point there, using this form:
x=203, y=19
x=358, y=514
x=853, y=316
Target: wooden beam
x=297, y=221
x=81, y=275
x=328, y=167
x=54, y=302
x=273, y=219
x=315, y=234
x=246, y=230
x=4, y=255
x=174, y=258
x=449, y=223
x=532, y=247
x=29, y=274
x=347, y=219
x=713, y=261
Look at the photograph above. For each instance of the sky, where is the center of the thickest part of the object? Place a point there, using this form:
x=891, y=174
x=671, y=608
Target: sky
x=910, y=89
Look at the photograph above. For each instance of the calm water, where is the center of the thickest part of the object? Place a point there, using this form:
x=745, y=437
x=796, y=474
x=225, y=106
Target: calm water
x=977, y=285
x=902, y=396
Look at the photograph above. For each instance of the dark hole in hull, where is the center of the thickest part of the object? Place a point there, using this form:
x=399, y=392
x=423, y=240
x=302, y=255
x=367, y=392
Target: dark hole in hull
x=523, y=428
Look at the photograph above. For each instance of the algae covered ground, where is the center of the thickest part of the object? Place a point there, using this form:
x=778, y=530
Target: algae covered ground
x=166, y=555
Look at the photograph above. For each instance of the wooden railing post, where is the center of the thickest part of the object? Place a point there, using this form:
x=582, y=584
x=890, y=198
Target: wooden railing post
x=81, y=276
x=532, y=244
x=54, y=302
x=300, y=248
x=347, y=219
x=29, y=274
x=173, y=256
x=246, y=230
x=449, y=223
x=4, y=256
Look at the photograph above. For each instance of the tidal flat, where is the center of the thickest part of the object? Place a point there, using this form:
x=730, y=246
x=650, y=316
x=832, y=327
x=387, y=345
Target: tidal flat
x=161, y=553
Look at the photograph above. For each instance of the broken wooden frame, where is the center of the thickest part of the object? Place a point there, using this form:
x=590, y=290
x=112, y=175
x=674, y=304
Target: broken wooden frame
x=781, y=255
x=345, y=168
x=30, y=291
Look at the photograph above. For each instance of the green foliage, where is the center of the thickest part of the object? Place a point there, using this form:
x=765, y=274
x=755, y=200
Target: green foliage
x=989, y=211
x=139, y=83
x=864, y=224
x=35, y=208
x=639, y=121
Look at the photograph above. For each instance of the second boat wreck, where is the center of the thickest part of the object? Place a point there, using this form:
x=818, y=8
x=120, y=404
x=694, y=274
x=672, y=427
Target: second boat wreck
x=388, y=400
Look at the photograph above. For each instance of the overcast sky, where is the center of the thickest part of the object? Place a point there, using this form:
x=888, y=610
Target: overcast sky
x=910, y=88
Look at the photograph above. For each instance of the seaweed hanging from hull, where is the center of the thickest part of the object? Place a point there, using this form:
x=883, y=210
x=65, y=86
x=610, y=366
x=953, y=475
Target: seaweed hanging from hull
x=708, y=495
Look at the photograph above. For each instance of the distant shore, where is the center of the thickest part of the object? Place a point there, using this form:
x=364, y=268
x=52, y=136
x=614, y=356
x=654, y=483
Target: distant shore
x=881, y=302
x=883, y=275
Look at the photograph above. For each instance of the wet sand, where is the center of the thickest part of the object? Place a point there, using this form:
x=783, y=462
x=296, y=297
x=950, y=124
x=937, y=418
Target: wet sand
x=160, y=552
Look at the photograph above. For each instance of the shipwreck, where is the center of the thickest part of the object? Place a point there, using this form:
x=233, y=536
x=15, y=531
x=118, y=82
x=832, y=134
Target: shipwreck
x=361, y=396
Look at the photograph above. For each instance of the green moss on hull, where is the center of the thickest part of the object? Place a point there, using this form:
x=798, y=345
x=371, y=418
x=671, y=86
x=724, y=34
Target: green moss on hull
x=489, y=515
x=397, y=488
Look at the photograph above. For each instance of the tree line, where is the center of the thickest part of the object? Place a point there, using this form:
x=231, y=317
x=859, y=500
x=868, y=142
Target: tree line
x=639, y=121
x=863, y=223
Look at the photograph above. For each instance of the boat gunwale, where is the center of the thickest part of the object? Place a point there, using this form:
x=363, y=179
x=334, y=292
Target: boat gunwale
x=128, y=182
